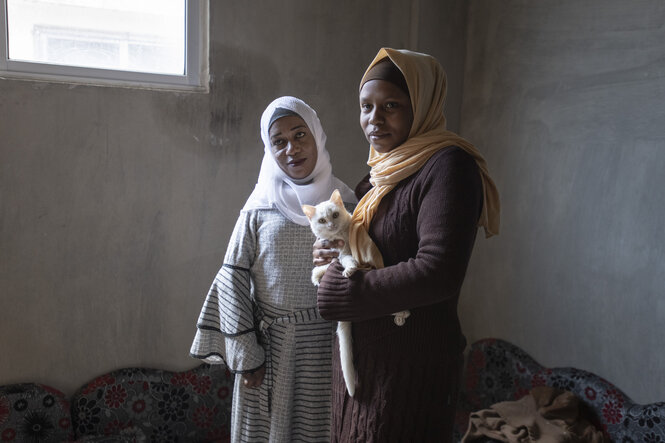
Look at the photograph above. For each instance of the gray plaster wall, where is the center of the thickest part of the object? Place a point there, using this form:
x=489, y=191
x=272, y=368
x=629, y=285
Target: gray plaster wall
x=567, y=101
x=116, y=204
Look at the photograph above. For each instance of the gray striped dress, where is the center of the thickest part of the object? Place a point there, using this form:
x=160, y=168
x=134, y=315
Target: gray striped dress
x=261, y=309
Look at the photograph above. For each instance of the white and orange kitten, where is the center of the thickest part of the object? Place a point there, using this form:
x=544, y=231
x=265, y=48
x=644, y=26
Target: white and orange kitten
x=330, y=221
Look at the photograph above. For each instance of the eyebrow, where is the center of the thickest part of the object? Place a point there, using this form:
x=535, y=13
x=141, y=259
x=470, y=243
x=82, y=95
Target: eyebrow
x=292, y=129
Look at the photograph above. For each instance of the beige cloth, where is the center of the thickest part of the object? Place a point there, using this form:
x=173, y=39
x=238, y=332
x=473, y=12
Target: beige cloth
x=546, y=415
x=427, y=89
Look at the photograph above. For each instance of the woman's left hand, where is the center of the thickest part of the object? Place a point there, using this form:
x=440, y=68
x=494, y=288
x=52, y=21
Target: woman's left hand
x=254, y=379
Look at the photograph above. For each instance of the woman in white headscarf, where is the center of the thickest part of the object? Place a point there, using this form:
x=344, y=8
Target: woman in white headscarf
x=260, y=316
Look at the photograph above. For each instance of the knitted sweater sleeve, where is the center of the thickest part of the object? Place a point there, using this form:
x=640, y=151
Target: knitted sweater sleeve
x=447, y=201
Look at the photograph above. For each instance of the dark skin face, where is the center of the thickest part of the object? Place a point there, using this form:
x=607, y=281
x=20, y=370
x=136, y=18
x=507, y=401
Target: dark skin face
x=293, y=146
x=386, y=115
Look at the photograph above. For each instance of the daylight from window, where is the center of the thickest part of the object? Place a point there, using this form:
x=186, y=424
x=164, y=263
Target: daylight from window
x=127, y=35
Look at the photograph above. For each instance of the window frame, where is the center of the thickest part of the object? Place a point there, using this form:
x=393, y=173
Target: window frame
x=196, y=66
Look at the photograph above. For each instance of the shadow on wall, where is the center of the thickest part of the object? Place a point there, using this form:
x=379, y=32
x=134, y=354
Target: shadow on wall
x=223, y=122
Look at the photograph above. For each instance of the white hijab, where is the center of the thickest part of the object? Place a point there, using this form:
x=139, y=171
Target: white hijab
x=276, y=189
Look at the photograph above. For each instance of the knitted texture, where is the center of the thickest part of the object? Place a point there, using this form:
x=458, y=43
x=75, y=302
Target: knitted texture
x=408, y=376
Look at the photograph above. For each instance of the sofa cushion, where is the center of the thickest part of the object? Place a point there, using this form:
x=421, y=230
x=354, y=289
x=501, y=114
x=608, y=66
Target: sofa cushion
x=500, y=371
x=137, y=403
x=34, y=412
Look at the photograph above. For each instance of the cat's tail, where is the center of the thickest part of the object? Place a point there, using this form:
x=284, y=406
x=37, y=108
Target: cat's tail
x=346, y=355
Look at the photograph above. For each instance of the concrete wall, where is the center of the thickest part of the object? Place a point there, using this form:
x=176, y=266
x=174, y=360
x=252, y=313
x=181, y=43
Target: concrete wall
x=116, y=205
x=567, y=101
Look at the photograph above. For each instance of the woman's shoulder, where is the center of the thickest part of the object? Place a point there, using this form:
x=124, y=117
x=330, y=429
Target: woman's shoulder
x=253, y=218
x=262, y=212
x=270, y=221
x=453, y=156
x=444, y=161
x=447, y=166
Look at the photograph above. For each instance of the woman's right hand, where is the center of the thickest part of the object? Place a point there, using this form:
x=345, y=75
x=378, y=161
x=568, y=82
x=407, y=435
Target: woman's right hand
x=324, y=251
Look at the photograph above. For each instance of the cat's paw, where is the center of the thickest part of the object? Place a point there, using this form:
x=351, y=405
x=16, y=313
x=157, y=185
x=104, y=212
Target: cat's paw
x=348, y=272
x=317, y=274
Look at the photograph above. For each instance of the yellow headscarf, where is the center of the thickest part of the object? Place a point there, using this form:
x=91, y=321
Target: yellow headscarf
x=427, y=88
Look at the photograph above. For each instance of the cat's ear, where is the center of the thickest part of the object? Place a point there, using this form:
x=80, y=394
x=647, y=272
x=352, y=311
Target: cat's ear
x=337, y=198
x=309, y=211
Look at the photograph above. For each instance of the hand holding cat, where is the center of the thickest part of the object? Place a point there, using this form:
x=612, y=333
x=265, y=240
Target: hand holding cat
x=324, y=251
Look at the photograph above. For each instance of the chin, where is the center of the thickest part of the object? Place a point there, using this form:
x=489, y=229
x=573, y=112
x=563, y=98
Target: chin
x=383, y=149
x=299, y=175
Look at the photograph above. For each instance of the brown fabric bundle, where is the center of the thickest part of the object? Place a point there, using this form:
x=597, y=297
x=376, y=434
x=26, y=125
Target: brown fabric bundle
x=546, y=415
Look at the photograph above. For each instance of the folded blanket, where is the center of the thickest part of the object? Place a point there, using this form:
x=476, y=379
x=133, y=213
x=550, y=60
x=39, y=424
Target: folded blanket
x=545, y=415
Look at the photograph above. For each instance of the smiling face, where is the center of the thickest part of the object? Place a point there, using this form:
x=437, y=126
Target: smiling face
x=293, y=146
x=386, y=115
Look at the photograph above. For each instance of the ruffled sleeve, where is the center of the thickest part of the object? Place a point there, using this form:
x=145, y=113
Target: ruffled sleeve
x=226, y=329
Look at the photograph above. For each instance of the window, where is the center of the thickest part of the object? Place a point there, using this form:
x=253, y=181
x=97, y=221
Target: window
x=140, y=43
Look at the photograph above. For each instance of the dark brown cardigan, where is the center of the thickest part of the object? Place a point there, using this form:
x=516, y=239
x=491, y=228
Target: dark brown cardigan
x=408, y=376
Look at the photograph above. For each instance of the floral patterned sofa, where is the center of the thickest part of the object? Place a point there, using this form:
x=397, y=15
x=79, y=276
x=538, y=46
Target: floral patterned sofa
x=499, y=371
x=127, y=405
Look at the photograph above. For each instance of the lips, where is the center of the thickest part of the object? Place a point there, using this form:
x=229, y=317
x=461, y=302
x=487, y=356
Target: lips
x=375, y=135
x=297, y=162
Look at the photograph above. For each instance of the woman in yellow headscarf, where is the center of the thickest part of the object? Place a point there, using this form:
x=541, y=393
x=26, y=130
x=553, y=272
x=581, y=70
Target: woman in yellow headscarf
x=427, y=192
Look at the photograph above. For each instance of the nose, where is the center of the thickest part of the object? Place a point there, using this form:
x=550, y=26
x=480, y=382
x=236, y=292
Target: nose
x=292, y=148
x=375, y=117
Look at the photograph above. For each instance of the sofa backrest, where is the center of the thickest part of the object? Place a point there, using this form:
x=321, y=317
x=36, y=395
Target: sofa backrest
x=139, y=404
x=499, y=371
x=34, y=412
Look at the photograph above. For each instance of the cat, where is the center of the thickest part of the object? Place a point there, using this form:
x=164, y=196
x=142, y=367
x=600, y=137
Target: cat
x=330, y=220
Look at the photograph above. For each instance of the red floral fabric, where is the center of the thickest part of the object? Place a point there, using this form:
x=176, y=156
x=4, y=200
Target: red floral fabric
x=156, y=406
x=128, y=405
x=31, y=412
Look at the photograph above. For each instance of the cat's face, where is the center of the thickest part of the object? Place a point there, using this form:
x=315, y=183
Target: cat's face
x=328, y=218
